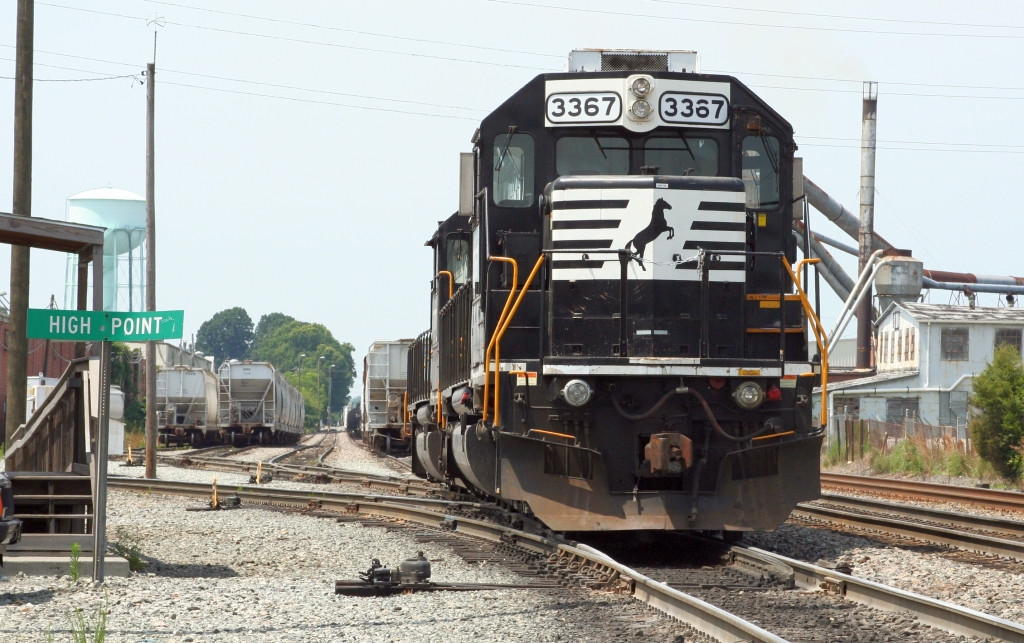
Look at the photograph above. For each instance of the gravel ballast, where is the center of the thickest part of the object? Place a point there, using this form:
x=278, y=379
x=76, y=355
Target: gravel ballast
x=256, y=574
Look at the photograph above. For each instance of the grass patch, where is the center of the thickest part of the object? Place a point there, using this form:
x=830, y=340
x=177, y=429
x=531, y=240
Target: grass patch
x=128, y=546
x=135, y=438
x=947, y=457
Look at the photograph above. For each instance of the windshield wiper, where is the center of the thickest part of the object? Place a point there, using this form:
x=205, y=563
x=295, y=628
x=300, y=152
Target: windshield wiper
x=504, y=150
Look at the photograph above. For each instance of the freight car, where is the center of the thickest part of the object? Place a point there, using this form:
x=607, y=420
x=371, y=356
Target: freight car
x=257, y=404
x=186, y=409
x=618, y=335
x=384, y=424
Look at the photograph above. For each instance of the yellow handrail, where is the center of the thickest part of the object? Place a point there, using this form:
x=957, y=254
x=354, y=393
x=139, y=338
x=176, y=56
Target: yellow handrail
x=565, y=436
x=501, y=333
x=819, y=333
x=405, y=414
x=501, y=318
x=451, y=281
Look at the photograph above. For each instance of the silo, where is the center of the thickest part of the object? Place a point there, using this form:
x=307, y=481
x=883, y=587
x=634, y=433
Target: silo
x=123, y=214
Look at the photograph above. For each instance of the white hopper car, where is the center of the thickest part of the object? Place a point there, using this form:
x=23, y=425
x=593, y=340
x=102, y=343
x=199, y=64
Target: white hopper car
x=385, y=374
x=258, y=404
x=186, y=405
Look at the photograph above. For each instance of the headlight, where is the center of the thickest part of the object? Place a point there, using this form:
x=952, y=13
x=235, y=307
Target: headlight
x=641, y=109
x=641, y=87
x=577, y=392
x=749, y=395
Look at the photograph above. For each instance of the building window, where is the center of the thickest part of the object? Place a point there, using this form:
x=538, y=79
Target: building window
x=1009, y=336
x=954, y=344
x=913, y=345
x=898, y=409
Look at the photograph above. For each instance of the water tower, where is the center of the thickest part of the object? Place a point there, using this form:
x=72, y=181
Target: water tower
x=123, y=214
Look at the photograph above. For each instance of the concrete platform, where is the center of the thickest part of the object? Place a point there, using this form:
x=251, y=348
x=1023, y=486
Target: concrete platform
x=47, y=564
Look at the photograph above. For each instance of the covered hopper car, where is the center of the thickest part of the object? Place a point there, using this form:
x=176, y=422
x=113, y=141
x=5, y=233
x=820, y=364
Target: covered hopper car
x=385, y=370
x=186, y=409
x=255, y=402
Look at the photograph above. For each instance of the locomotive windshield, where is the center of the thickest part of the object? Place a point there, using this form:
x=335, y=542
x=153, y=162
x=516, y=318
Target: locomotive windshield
x=682, y=156
x=588, y=155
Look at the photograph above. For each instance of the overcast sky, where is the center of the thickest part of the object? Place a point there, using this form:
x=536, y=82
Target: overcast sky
x=306, y=149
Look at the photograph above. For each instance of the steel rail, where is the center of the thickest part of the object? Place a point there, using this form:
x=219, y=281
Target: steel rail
x=703, y=616
x=946, y=536
x=337, y=475
x=994, y=498
x=930, y=611
x=998, y=526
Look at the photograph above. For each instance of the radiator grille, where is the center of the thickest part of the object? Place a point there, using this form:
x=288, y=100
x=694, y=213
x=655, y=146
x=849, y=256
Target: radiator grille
x=618, y=61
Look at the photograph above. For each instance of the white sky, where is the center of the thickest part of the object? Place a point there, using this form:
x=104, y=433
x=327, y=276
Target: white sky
x=305, y=149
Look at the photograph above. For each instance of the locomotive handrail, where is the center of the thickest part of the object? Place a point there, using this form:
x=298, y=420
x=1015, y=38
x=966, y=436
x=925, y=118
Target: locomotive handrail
x=501, y=319
x=817, y=328
x=501, y=332
x=451, y=281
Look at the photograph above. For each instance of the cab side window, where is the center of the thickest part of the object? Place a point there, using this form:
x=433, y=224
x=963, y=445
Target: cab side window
x=513, y=170
x=761, y=171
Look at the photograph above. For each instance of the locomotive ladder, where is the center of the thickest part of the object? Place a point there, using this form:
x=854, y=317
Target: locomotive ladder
x=161, y=397
x=379, y=376
x=224, y=400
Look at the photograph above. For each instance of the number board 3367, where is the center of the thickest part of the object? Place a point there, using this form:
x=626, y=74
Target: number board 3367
x=694, y=108
x=584, y=107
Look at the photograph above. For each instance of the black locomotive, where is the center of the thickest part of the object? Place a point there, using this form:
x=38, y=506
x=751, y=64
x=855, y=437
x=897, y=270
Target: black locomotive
x=618, y=339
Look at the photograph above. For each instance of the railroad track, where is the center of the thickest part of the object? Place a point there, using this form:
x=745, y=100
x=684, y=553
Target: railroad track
x=583, y=566
x=998, y=499
x=979, y=534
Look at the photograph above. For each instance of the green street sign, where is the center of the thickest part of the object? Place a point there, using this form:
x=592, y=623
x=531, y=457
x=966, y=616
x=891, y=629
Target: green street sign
x=104, y=326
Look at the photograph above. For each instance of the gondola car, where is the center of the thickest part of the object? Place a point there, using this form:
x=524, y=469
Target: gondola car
x=618, y=336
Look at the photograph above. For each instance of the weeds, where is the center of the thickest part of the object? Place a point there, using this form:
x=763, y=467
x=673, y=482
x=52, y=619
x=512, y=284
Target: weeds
x=81, y=627
x=128, y=547
x=905, y=457
x=75, y=566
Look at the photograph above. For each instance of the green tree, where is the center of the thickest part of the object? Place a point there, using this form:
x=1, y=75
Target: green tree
x=285, y=343
x=997, y=424
x=267, y=325
x=226, y=335
x=124, y=372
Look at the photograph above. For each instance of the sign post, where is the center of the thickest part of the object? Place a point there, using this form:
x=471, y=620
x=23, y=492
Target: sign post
x=105, y=327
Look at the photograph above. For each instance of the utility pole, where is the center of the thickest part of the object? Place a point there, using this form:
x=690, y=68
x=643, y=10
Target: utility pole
x=17, y=341
x=150, y=266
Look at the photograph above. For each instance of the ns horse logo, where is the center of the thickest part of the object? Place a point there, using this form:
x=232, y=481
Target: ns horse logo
x=653, y=230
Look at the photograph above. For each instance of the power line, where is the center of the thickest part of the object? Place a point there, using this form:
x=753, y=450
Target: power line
x=318, y=102
x=690, y=19
x=353, y=31
x=833, y=16
x=251, y=82
x=921, y=149
x=743, y=74
x=304, y=41
x=972, y=144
